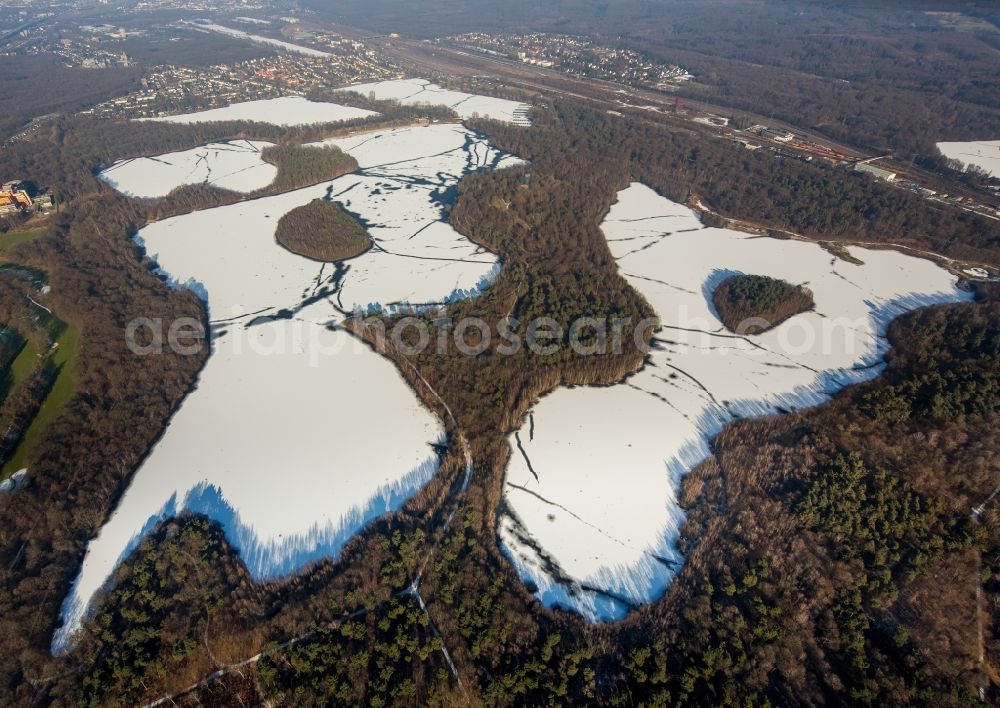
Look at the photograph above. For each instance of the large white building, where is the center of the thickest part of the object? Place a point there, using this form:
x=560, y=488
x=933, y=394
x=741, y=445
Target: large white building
x=875, y=171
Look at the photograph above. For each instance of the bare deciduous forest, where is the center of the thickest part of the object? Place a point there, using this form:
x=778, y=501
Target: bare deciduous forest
x=322, y=231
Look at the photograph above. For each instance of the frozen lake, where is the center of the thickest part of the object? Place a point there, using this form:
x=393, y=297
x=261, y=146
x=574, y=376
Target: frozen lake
x=284, y=111
x=258, y=39
x=297, y=434
x=593, y=480
x=234, y=165
x=982, y=153
x=466, y=105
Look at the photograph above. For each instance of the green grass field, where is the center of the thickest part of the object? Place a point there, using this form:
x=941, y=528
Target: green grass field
x=59, y=395
x=13, y=238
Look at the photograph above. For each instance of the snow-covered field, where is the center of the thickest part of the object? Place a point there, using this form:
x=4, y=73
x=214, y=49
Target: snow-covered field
x=466, y=105
x=234, y=165
x=258, y=39
x=284, y=111
x=296, y=434
x=593, y=480
x=982, y=153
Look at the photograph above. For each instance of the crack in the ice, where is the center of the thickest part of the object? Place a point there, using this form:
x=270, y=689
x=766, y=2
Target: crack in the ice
x=383, y=249
x=657, y=238
x=421, y=229
x=646, y=218
x=696, y=381
x=524, y=454
x=240, y=317
x=574, y=515
x=660, y=282
x=749, y=341
x=660, y=397
x=672, y=342
x=548, y=565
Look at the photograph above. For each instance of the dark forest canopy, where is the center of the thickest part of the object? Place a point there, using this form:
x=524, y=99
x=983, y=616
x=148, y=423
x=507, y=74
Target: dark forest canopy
x=756, y=187
x=299, y=165
x=323, y=231
x=675, y=16
x=751, y=304
x=35, y=86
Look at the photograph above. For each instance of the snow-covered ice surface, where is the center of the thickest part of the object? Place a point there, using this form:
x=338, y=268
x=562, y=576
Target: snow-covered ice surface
x=592, y=516
x=466, y=105
x=284, y=111
x=982, y=153
x=258, y=39
x=234, y=165
x=297, y=434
